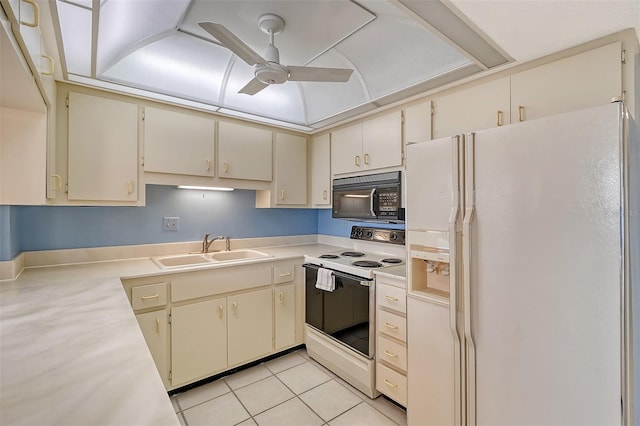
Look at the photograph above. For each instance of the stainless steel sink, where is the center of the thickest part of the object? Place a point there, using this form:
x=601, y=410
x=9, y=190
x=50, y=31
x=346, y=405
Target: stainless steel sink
x=240, y=254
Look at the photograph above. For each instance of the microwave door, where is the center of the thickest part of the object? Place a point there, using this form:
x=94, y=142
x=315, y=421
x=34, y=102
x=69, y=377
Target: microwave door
x=354, y=203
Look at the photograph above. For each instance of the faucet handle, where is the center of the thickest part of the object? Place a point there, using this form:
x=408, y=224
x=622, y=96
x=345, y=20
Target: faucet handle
x=227, y=242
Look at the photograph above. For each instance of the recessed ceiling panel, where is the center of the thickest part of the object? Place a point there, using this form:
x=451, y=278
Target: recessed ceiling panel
x=311, y=26
x=124, y=24
x=75, y=28
x=178, y=65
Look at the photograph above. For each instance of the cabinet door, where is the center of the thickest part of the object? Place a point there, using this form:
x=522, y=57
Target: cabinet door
x=346, y=150
x=103, y=149
x=581, y=81
x=285, y=316
x=198, y=340
x=154, y=328
x=178, y=143
x=250, y=325
x=417, y=123
x=476, y=108
x=291, y=169
x=244, y=152
x=382, y=141
x=321, y=170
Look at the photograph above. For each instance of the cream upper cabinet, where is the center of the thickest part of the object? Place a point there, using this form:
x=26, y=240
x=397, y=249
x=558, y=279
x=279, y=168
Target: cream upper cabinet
x=250, y=317
x=417, y=123
x=285, y=316
x=244, y=152
x=178, y=143
x=198, y=340
x=154, y=326
x=373, y=144
x=581, y=81
x=382, y=141
x=346, y=150
x=290, y=169
x=321, y=170
x=478, y=107
x=103, y=149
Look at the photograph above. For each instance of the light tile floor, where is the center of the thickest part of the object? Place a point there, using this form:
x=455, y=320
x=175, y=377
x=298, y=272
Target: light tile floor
x=290, y=390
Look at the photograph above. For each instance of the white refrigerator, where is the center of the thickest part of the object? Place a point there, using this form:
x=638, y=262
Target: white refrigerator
x=523, y=252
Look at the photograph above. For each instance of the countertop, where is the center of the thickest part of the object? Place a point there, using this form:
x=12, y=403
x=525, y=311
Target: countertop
x=71, y=351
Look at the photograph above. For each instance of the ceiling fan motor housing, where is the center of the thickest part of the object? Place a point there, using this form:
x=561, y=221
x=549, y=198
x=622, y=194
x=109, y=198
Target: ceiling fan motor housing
x=271, y=73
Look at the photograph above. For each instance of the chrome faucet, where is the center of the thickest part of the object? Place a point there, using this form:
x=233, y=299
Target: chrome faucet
x=206, y=243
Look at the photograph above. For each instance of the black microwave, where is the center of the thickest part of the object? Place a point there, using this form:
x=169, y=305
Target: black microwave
x=376, y=197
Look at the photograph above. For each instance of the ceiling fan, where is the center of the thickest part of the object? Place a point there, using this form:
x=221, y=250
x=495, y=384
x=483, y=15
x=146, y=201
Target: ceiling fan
x=268, y=69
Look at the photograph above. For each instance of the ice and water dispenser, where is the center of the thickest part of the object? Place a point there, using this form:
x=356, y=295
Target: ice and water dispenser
x=430, y=266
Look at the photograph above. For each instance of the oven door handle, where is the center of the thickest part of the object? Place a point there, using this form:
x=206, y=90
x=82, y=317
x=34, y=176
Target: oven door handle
x=363, y=281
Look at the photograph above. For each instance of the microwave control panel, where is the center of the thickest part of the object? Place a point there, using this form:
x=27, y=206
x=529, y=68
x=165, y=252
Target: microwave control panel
x=388, y=201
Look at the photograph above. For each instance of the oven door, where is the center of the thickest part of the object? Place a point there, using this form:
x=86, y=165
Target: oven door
x=346, y=314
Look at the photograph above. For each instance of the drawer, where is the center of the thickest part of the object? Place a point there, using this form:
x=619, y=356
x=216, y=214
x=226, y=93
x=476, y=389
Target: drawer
x=283, y=274
x=391, y=297
x=392, y=325
x=148, y=296
x=392, y=353
x=391, y=383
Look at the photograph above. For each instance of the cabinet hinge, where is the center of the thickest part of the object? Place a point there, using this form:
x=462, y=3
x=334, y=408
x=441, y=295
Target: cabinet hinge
x=142, y=114
x=402, y=117
x=66, y=102
x=433, y=110
x=170, y=375
x=623, y=56
x=169, y=318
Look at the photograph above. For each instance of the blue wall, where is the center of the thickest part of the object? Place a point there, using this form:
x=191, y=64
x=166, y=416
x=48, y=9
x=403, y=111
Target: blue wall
x=30, y=228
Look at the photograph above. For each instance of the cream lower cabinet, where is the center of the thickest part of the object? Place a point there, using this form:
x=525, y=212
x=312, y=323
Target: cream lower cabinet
x=250, y=331
x=154, y=328
x=391, y=337
x=284, y=303
x=198, y=340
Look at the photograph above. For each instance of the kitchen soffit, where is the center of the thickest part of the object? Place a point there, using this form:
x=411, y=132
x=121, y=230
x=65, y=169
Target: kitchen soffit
x=396, y=48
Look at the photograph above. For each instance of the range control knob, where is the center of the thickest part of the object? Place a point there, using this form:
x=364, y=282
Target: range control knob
x=369, y=234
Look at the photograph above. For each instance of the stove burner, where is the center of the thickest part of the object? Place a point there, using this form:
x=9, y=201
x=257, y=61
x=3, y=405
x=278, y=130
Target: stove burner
x=329, y=256
x=391, y=260
x=352, y=253
x=367, y=263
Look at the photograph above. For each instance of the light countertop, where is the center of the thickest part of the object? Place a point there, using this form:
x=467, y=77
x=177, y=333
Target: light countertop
x=71, y=351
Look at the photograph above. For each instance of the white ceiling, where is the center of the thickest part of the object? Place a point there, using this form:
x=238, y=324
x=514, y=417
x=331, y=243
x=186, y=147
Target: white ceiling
x=157, y=47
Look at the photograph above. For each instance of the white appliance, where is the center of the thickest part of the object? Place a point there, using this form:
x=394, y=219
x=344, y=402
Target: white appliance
x=340, y=323
x=533, y=230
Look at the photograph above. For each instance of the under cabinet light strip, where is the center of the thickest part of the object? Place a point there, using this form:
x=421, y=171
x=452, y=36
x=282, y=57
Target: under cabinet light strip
x=205, y=188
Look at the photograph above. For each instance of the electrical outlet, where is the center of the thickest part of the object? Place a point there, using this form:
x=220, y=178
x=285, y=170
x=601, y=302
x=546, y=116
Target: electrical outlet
x=170, y=223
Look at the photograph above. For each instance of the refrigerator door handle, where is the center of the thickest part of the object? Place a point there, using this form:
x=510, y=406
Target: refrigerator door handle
x=466, y=267
x=456, y=142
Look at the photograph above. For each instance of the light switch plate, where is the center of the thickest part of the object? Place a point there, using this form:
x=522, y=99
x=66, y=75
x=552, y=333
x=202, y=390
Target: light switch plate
x=170, y=223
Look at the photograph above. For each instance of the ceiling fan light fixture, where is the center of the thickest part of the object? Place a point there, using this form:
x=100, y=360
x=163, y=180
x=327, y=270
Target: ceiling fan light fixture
x=272, y=73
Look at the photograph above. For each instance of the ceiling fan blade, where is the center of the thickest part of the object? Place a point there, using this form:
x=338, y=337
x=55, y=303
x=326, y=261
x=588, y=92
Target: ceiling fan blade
x=233, y=43
x=253, y=87
x=318, y=74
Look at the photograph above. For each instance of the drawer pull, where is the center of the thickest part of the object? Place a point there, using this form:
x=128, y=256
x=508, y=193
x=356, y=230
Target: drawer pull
x=288, y=274
x=499, y=119
x=391, y=326
x=391, y=385
x=225, y=167
x=391, y=299
x=220, y=311
x=281, y=297
x=325, y=195
x=153, y=296
x=157, y=325
x=520, y=113
x=235, y=308
x=392, y=355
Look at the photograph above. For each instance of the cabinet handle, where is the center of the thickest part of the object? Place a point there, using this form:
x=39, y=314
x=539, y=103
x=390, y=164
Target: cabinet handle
x=499, y=119
x=520, y=113
x=324, y=194
x=391, y=326
x=153, y=296
x=225, y=168
x=58, y=181
x=392, y=355
x=50, y=70
x=208, y=165
x=36, y=14
x=391, y=299
x=220, y=311
x=282, y=194
x=281, y=297
x=157, y=325
x=358, y=160
x=391, y=385
x=235, y=308
x=288, y=274
x=129, y=187
x=366, y=159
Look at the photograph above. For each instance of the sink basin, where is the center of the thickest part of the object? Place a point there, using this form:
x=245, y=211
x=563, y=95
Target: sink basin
x=182, y=260
x=225, y=256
